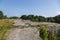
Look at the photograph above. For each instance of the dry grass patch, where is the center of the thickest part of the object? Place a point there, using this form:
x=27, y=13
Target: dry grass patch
x=4, y=26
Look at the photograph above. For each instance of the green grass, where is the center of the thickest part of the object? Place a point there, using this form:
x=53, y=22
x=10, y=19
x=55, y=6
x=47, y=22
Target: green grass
x=4, y=26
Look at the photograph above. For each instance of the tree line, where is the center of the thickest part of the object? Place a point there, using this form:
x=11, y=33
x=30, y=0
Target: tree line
x=36, y=18
x=55, y=19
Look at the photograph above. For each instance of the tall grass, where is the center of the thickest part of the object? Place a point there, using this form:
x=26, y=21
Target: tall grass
x=4, y=26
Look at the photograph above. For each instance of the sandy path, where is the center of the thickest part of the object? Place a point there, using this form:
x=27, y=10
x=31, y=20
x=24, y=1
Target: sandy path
x=24, y=34
x=14, y=35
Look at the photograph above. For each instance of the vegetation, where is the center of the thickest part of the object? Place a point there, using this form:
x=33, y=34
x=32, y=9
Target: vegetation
x=14, y=17
x=36, y=18
x=33, y=18
x=48, y=35
x=43, y=33
x=58, y=34
x=55, y=19
x=4, y=26
x=2, y=16
x=51, y=36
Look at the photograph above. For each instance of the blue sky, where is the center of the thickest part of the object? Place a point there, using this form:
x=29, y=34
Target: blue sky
x=45, y=8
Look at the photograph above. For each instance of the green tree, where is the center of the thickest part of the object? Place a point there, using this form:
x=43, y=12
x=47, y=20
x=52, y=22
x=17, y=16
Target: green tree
x=30, y=17
x=41, y=19
x=57, y=19
x=1, y=15
x=24, y=17
x=35, y=18
x=50, y=19
x=43, y=33
x=14, y=17
x=5, y=17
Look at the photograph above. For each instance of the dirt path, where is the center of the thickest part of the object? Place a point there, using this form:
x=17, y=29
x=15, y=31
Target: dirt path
x=14, y=35
x=24, y=34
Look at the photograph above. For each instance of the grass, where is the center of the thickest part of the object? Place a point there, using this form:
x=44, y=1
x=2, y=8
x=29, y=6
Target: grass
x=4, y=26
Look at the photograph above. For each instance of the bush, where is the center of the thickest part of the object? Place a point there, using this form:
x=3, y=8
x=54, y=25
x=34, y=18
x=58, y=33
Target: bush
x=51, y=36
x=43, y=33
x=58, y=34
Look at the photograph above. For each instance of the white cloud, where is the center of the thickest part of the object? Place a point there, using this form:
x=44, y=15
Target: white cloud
x=58, y=12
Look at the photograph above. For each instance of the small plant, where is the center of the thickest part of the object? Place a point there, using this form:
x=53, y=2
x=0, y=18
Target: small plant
x=51, y=36
x=58, y=34
x=43, y=33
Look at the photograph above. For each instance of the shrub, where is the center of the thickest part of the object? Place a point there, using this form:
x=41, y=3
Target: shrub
x=43, y=33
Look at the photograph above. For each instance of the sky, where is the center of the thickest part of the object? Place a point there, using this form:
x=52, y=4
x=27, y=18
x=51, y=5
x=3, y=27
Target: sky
x=45, y=8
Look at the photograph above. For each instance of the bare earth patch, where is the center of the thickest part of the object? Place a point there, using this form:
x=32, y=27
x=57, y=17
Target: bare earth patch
x=24, y=34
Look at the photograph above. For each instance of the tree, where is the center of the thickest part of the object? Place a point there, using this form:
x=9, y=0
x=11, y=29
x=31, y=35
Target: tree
x=50, y=19
x=23, y=17
x=57, y=19
x=41, y=19
x=14, y=17
x=30, y=17
x=5, y=17
x=35, y=18
x=1, y=15
x=43, y=33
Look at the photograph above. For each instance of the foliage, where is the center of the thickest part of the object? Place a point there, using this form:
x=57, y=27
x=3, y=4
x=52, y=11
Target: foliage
x=36, y=18
x=44, y=33
x=50, y=19
x=23, y=17
x=4, y=26
x=51, y=36
x=14, y=17
x=47, y=35
x=57, y=19
x=2, y=16
x=58, y=34
x=33, y=18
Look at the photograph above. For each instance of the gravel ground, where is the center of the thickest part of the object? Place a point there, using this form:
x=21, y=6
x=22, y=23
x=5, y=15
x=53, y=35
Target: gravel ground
x=30, y=33
x=24, y=34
